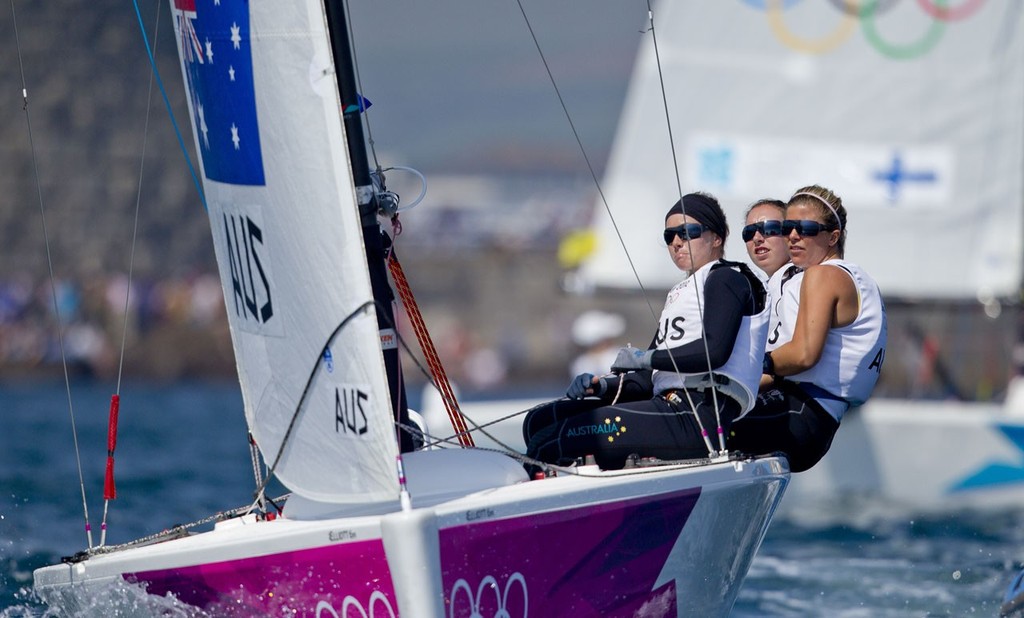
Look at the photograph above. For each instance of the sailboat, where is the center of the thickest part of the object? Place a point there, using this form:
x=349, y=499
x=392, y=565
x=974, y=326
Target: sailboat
x=912, y=112
x=371, y=527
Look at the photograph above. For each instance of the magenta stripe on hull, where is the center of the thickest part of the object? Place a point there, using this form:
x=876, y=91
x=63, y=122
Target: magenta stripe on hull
x=322, y=581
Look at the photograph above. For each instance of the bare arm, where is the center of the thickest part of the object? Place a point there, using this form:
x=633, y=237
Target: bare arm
x=828, y=299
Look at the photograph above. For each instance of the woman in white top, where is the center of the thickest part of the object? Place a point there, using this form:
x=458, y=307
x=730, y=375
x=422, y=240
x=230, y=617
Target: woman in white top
x=769, y=251
x=835, y=354
x=675, y=398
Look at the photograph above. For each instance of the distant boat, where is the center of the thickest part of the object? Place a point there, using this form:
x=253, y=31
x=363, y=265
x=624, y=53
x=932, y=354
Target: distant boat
x=294, y=215
x=913, y=112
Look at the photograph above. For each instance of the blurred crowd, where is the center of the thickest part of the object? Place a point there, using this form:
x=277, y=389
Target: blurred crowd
x=97, y=315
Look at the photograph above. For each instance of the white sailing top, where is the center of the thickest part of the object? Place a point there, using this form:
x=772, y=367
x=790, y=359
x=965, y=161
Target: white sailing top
x=783, y=288
x=682, y=319
x=851, y=360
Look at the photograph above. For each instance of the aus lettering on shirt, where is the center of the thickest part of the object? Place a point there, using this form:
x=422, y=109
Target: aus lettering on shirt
x=877, y=360
x=671, y=329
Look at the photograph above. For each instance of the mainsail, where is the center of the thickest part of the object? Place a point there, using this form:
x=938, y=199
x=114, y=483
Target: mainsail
x=267, y=123
x=913, y=112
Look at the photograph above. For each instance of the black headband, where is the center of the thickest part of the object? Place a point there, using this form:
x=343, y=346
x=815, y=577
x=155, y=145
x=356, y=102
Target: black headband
x=705, y=210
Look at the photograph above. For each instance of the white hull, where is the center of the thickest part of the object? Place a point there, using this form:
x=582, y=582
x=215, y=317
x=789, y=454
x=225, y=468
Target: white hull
x=925, y=455
x=676, y=536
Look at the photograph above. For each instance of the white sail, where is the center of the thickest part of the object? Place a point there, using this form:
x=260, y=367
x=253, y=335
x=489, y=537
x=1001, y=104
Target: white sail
x=267, y=125
x=911, y=112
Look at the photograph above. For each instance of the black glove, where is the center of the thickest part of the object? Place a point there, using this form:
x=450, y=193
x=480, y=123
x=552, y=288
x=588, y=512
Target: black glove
x=583, y=386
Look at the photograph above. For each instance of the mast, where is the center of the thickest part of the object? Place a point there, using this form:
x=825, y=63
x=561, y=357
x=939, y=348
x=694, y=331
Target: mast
x=375, y=240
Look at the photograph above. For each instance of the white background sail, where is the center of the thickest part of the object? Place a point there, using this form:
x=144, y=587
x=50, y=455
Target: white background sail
x=911, y=114
x=282, y=210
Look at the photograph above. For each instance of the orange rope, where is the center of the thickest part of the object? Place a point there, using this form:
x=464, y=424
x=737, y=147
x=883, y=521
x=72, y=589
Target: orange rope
x=433, y=361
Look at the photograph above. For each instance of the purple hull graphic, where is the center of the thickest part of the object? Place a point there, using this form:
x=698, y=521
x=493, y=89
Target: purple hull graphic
x=307, y=582
x=523, y=566
x=617, y=549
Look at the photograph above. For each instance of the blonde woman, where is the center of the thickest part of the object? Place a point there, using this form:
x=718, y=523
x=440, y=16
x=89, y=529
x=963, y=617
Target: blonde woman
x=834, y=357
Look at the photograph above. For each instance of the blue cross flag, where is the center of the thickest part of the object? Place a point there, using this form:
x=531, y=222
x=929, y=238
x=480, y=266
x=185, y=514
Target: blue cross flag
x=218, y=61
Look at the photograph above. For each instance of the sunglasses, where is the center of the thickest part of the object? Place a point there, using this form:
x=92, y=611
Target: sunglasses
x=686, y=231
x=803, y=227
x=764, y=228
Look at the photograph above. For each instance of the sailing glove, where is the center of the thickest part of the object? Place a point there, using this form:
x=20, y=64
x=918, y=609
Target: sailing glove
x=631, y=359
x=584, y=382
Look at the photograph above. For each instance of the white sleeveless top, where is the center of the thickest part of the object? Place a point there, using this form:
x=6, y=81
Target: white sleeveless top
x=783, y=288
x=681, y=322
x=851, y=360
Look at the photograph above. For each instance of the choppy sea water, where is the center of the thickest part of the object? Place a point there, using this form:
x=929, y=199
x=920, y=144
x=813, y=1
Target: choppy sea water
x=182, y=455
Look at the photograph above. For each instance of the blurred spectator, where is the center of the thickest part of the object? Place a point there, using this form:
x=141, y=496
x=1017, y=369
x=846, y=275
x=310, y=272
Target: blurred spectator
x=597, y=333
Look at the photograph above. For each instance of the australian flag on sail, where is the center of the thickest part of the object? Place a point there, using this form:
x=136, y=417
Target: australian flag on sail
x=217, y=58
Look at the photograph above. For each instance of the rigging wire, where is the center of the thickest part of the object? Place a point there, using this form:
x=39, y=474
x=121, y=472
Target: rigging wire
x=138, y=201
x=49, y=264
x=167, y=104
x=259, y=493
x=109, y=492
x=679, y=190
x=586, y=158
x=259, y=496
x=607, y=207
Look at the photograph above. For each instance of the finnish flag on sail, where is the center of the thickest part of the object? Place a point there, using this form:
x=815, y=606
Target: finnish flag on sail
x=217, y=58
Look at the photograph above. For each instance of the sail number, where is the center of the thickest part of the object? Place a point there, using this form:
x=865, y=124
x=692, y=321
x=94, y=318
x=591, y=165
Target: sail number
x=250, y=283
x=350, y=411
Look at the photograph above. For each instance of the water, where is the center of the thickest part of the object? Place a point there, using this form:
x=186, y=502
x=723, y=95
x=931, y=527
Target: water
x=182, y=455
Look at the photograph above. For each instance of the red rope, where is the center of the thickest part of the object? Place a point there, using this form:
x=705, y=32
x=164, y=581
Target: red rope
x=427, y=345
x=109, y=489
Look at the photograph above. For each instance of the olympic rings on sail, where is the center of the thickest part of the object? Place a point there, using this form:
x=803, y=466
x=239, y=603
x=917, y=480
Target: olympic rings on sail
x=846, y=6
x=904, y=52
x=761, y=4
x=867, y=12
x=825, y=44
x=944, y=13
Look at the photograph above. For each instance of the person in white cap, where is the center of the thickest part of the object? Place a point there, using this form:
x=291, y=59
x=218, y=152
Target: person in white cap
x=596, y=332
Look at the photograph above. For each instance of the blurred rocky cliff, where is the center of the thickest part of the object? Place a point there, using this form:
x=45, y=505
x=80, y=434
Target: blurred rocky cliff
x=93, y=144
x=458, y=92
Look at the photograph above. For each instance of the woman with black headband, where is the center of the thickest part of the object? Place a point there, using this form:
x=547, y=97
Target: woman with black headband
x=676, y=398
x=835, y=355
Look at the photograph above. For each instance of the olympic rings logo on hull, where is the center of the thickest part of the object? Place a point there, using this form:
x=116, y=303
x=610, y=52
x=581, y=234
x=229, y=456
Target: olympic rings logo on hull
x=377, y=599
x=501, y=600
x=866, y=13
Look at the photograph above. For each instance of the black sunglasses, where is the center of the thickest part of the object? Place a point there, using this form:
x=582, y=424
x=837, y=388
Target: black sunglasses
x=686, y=231
x=804, y=227
x=764, y=228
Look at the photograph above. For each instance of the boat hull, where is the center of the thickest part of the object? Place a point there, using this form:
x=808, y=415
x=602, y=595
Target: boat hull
x=671, y=541
x=925, y=456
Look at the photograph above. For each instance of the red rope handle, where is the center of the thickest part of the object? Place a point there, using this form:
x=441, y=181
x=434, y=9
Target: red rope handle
x=109, y=489
x=427, y=345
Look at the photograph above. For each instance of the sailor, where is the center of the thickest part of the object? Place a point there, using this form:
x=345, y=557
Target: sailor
x=700, y=372
x=768, y=249
x=833, y=357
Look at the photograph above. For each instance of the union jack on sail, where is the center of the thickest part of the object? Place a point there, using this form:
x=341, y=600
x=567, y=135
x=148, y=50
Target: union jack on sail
x=185, y=12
